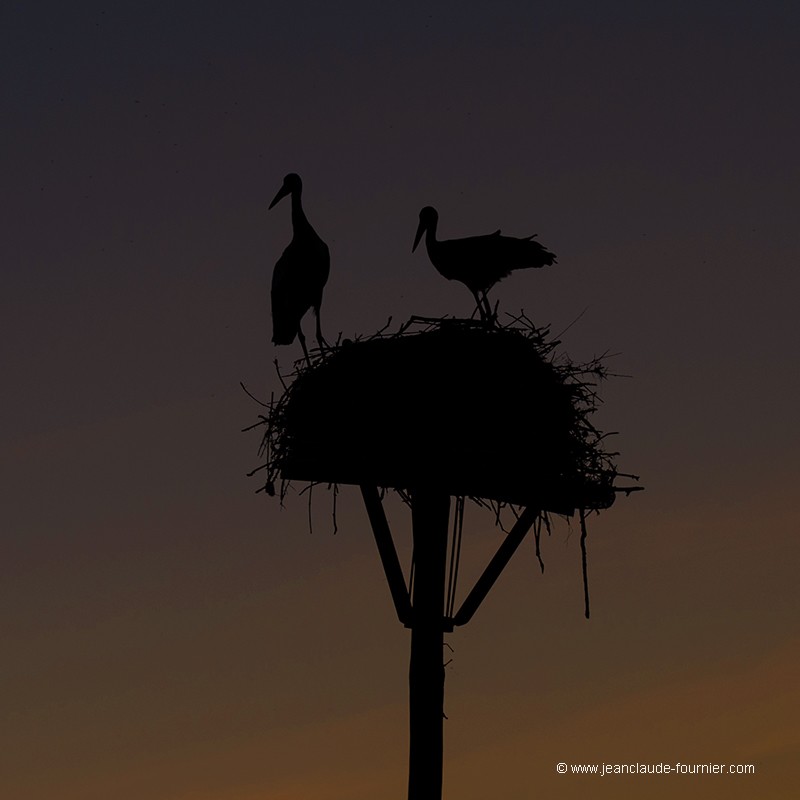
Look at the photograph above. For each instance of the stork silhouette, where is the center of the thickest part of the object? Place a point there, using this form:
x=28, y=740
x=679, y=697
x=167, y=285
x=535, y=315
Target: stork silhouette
x=300, y=273
x=479, y=262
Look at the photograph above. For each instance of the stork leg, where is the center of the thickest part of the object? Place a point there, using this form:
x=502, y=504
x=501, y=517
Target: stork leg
x=302, y=339
x=478, y=305
x=320, y=338
x=487, y=309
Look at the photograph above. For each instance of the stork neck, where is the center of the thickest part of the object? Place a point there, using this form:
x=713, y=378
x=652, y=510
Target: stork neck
x=298, y=215
x=430, y=235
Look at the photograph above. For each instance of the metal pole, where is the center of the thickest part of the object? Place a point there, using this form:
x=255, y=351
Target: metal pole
x=430, y=511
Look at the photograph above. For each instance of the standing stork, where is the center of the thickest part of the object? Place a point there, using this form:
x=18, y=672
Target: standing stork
x=300, y=273
x=479, y=262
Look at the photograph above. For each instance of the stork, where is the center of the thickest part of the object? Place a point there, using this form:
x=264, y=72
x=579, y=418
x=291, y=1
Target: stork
x=479, y=262
x=300, y=273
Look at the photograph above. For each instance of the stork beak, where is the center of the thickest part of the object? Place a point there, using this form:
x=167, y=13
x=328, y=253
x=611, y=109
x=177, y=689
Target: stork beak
x=420, y=231
x=281, y=194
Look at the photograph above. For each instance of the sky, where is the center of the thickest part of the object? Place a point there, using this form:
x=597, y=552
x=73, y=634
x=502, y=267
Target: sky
x=168, y=632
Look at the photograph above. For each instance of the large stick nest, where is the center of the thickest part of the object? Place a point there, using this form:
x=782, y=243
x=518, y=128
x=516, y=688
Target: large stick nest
x=480, y=410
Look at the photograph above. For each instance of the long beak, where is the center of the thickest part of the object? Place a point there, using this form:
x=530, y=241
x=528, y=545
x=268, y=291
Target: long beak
x=420, y=230
x=281, y=194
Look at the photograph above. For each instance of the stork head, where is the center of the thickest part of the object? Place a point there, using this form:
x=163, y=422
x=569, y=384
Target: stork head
x=291, y=184
x=428, y=218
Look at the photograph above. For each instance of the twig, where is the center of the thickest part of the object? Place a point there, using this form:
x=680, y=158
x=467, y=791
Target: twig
x=558, y=335
x=537, y=532
x=261, y=421
x=310, y=518
x=280, y=377
x=583, y=562
x=388, y=323
x=252, y=396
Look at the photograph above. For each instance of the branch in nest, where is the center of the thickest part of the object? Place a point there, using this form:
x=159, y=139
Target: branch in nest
x=252, y=396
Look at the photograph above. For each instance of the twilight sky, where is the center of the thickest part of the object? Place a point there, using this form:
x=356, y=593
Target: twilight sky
x=170, y=635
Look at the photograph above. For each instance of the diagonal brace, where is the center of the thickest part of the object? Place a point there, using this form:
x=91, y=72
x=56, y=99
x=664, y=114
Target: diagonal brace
x=388, y=553
x=496, y=566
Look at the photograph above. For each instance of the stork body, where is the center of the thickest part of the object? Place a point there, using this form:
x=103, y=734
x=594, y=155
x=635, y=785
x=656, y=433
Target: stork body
x=479, y=262
x=300, y=273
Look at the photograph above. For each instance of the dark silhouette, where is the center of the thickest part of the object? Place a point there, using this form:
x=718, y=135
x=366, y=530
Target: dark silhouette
x=300, y=273
x=393, y=411
x=413, y=411
x=479, y=262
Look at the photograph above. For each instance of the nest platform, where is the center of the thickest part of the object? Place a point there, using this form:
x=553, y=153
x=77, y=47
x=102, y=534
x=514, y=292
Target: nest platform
x=471, y=409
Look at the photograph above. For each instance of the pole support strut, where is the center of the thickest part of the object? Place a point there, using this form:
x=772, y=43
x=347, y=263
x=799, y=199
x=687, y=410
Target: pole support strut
x=388, y=553
x=496, y=566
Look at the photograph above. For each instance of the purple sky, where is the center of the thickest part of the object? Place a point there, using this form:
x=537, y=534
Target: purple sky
x=168, y=633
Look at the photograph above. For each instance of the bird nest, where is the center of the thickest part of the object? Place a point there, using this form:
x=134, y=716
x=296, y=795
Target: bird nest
x=479, y=410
